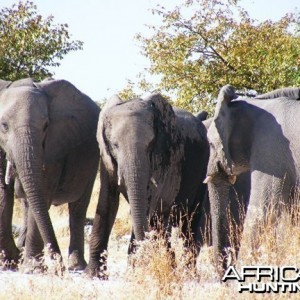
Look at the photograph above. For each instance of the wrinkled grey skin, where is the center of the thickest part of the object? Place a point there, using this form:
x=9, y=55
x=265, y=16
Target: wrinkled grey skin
x=48, y=134
x=256, y=136
x=156, y=156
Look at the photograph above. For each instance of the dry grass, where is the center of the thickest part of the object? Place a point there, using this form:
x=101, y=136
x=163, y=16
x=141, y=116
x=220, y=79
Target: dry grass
x=154, y=275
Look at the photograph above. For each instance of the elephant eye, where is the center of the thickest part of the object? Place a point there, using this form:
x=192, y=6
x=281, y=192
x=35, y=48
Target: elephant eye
x=4, y=127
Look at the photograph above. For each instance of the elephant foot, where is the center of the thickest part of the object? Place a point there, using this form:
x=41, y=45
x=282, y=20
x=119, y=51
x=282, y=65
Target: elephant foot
x=6, y=265
x=9, y=260
x=96, y=272
x=21, y=241
x=43, y=264
x=76, y=262
x=33, y=266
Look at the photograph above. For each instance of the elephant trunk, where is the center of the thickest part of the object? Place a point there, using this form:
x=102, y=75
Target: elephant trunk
x=219, y=190
x=29, y=163
x=136, y=176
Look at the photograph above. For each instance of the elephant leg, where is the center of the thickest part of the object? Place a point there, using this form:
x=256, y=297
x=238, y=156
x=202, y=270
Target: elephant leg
x=131, y=250
x=165, y=232
x=201, y=225
x=267, y=194
x=197, y=232
x=105, y=216
x=189, y=229
x=132, y=246
x=253, y=225
x=77, y=213
x=9, y=252
x=237, y=208
x=23, y=232
x=181, y=218
x=34, y=246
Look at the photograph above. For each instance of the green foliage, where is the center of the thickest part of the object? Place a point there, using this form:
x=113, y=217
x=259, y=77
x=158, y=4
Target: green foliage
x=204, y=44
x=128, y=92
x=133, y=90
x=30, y=44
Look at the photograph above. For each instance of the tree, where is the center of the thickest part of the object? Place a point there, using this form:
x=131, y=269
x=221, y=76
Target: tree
x=30, y=44
x=205, y=44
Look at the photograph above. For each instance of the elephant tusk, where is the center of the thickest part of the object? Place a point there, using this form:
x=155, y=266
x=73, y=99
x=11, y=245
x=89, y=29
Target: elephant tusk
x=8, y=172
x=207, y=179
x=153, y=181
x=232, y=179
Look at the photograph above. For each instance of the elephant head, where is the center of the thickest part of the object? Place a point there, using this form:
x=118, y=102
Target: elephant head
x=140, y=136
x=228, y=174
x=39, y=124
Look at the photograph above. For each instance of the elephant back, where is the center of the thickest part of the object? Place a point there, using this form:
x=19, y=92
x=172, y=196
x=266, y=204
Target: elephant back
x=290, y=93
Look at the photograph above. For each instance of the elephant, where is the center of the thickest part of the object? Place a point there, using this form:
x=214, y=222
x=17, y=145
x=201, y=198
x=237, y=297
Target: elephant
x=49, y=155
x=258, y=136
x=156, y=156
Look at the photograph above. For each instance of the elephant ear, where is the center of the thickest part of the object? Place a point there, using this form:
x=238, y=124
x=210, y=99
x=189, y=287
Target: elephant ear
x=226, y=95
x=202, y=115
x=166, y=132
x=163, y=113
x=73, y=118
x=23, y=82
x=11, y=84
x=232, y=143
x=218, y=130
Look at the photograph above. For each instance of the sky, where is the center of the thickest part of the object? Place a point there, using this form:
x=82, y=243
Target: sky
x=110, y=54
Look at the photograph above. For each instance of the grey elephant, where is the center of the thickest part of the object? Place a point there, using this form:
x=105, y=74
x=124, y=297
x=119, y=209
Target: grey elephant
x=49, y=155
x=156, y=156
x=258, y=136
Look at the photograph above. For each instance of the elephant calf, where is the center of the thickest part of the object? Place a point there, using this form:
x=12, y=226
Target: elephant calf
x=156, y=156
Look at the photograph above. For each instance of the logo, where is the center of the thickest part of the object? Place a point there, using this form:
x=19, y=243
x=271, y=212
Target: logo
x=265, y=279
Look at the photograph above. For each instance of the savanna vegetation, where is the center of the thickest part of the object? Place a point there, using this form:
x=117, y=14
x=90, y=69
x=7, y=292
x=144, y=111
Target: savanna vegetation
x=153, y=275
